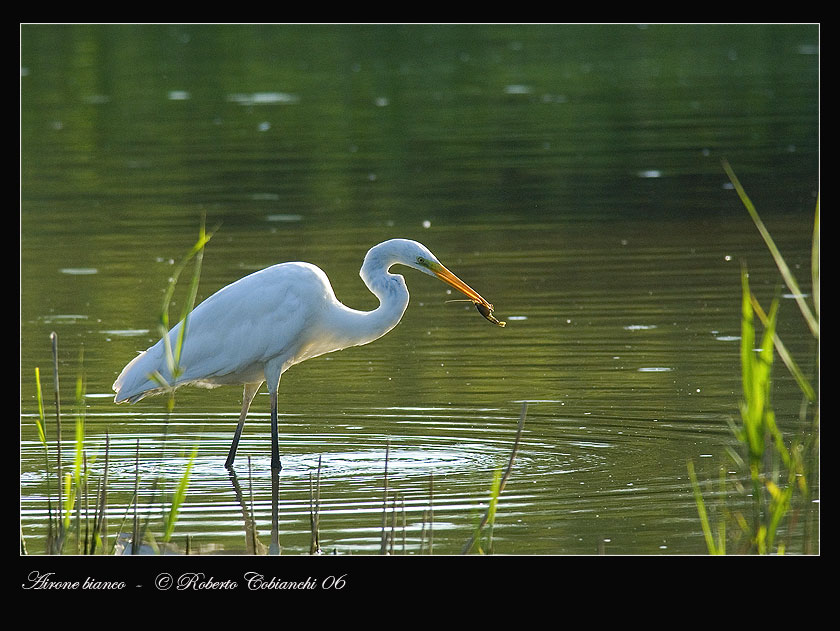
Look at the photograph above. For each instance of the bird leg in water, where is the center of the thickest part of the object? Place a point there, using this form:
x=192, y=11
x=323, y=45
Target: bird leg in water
x=275, y=441
x=247, y=397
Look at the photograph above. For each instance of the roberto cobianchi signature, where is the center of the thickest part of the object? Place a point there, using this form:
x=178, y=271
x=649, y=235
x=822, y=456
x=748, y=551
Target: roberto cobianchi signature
x=188, y=581
x=250, y=580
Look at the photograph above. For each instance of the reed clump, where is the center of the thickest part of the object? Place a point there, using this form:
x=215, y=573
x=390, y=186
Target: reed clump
x=78, y=491
x=77, y=501
x=779, y=495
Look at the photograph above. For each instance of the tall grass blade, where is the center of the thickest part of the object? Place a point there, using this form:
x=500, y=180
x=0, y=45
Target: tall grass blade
x=40, y=422
x=755, y=371
x=711, y=546
x=68, y=501
x=473, y=541
x=790, y=281
x=54, y=340
x=173, y=355
x=314, y=511
x=815, y=262
x=135, y=526
x=780, y=499
x=495, y=491
x=786, y=357
x=179, y=497
x=78, y=459
x=747, y=336
x=100, y=524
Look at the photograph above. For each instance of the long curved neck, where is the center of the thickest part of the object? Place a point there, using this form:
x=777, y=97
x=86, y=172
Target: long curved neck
x=392, y=293
x=356, y=328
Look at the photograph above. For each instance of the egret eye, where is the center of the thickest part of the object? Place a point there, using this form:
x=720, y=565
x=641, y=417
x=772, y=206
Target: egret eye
x=421, y=260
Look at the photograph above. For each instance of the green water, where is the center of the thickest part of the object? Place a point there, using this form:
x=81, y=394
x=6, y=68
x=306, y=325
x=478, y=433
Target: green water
x=570, y=174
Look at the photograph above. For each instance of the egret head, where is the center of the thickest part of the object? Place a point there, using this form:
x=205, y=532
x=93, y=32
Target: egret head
x=418, y=256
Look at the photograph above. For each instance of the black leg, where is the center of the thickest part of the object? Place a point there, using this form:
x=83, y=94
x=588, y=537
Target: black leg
x=247, y=396
x=274, y=546
x=275, y=442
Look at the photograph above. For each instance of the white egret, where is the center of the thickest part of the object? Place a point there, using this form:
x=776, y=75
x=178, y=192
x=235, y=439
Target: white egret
x=256, y=328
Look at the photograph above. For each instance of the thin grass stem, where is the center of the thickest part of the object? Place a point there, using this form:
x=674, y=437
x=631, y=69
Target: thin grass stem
x=711, y=546
x=788, y=277
x=492, y=508
x=54, y=340
x=314, y=511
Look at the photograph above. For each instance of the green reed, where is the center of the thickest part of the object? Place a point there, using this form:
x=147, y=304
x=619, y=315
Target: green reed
x=81, y=504
x=178, y=498
x=141, y=533
x=77, y=508
x=173, y=354
x=779, y=471
x=72, y=513
x=315, y=511
x=496, y=488
x=173, y=360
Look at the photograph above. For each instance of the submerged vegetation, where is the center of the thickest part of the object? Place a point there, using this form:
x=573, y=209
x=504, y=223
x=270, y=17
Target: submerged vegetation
x=781, y=474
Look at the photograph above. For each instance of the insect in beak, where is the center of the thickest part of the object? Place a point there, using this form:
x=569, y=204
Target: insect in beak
x=484, y=307
x=487, y=312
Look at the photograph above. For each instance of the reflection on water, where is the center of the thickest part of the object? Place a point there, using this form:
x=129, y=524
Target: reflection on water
x=571, y=175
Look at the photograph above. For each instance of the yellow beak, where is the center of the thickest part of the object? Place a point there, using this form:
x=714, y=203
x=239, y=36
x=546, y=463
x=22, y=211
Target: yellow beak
x=453, y=281
x=484, y=307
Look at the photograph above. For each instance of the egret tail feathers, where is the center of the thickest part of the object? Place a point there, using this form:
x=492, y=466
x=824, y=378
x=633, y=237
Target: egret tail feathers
x=135, y=380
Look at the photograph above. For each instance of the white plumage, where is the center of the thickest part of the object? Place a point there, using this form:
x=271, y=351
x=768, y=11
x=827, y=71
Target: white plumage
x=256, y=328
